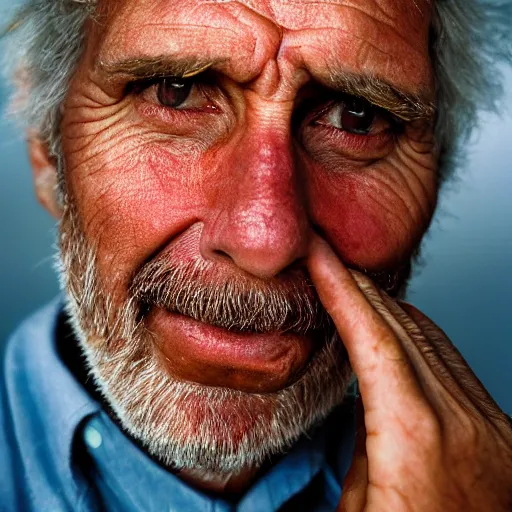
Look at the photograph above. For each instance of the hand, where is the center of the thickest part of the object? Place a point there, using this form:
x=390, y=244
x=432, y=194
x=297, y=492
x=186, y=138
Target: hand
x=430, y=438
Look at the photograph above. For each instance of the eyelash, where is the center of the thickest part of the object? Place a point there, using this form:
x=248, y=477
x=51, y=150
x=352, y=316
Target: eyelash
x=137, y=87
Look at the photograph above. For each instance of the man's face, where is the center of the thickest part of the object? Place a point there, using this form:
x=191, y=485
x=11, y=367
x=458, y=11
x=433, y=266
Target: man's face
x=204, y=142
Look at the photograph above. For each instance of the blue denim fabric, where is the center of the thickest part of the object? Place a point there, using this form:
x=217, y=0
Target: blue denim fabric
x=60, y=451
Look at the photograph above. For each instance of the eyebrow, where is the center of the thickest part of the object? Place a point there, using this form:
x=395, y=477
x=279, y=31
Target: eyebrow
x=403, y=104
x=141, y=68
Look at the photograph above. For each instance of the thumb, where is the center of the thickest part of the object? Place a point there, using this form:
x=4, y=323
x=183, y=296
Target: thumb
x=353, y=497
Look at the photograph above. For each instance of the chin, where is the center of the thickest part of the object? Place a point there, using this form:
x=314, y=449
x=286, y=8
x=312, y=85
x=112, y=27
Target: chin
x=191, y=425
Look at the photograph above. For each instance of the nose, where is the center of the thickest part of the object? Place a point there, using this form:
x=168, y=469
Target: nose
x=259, y=218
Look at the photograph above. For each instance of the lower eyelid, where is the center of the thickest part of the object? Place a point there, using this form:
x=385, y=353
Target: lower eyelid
x=152, y=110
x=176, y=119
x=387, y=127
x=363, y=146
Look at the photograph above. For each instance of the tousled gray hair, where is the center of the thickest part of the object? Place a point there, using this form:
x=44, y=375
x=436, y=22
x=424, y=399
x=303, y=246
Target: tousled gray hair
x=469, y=39
x=44, y=43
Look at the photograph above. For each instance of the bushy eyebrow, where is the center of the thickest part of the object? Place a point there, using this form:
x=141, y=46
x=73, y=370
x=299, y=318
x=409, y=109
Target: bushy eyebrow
x=403, y=104
x=141, y=68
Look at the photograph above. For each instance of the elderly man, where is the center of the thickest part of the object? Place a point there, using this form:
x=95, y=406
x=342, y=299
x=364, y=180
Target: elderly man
x=241, y=188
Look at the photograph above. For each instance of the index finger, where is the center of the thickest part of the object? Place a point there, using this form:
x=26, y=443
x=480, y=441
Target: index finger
x=386, y=377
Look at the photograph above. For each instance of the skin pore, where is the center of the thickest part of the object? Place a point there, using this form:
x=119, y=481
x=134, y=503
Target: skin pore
x=259, y=146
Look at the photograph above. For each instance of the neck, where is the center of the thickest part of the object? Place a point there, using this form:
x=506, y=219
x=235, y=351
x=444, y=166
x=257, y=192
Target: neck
x=220, y=483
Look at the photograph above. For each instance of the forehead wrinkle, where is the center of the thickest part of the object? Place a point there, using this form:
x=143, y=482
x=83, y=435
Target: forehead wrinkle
x=265, y=44
x=182, y=29
x=178, y=44
x=277, y=12
x=378, y=12
x=384, y=13
x=265, y=33
x=364, y=38
x=390, y=22
x=310, y=54
x=239, y=44
x=260, y=7
x=273, y=9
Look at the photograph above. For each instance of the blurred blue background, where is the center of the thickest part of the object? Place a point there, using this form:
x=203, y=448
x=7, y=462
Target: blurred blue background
x=464, y=284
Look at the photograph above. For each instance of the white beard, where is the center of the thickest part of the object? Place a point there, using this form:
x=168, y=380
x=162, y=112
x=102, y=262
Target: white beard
x=183, y=424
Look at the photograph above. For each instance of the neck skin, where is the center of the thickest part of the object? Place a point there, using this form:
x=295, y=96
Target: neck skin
x=223, y=483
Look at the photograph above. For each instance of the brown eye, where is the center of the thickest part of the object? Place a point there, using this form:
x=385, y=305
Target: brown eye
x=173, y=92
x=357, y=116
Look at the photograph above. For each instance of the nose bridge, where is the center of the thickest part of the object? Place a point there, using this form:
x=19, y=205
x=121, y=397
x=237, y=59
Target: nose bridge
x=265, y=170
x=266, y=208
x=260, y=222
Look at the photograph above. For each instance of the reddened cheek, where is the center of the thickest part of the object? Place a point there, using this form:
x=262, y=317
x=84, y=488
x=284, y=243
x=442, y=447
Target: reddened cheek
x=366, y=222
x=133, y=205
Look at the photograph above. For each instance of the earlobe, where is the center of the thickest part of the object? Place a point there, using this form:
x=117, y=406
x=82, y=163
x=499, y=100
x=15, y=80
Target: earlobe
x=45, y=177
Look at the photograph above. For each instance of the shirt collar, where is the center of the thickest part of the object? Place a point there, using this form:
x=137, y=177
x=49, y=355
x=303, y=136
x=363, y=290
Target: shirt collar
x=127, y=487
x=54, y=404
x=51, y=402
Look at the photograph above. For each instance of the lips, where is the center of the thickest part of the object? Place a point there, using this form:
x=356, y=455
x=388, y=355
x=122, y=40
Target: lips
x=214, y=356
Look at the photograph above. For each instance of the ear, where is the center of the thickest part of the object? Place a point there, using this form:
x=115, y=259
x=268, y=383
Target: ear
x=44, y=173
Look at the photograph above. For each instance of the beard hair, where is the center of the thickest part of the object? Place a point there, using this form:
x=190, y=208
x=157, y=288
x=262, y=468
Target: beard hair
x=185, y=425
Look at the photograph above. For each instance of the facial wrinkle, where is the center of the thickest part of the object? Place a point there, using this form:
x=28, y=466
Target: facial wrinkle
x=274, y=56
x=277, y=12
x=375, y=10
x=269, y=79
x=263, y=8
x=183, y=424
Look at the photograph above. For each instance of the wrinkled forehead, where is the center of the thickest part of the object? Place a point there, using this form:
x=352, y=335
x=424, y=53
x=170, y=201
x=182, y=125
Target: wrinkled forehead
x=299, y=14
x=385, y=37
x=288, y=14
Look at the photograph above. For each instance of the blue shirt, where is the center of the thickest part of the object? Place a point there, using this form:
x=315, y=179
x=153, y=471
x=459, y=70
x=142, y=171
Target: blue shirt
x=62, y=452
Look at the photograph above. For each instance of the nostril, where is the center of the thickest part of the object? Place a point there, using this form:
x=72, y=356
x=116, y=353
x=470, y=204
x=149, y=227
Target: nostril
x=318, y=230
x=222, y=254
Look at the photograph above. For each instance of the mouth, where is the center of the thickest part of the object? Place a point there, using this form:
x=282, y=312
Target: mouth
x=211, y=355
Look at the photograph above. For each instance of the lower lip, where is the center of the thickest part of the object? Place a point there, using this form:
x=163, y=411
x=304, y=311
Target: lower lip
x=211, y=355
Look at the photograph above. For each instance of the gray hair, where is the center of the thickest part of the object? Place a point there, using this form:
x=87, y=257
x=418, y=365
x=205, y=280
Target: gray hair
x=469, y=38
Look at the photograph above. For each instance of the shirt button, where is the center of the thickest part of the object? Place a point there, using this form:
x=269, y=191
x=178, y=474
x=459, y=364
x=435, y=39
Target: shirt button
x=92, y=437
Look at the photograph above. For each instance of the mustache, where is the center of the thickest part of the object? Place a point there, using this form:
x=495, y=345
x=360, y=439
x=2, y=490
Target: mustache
x=237, y=303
